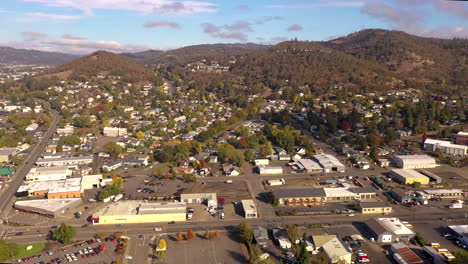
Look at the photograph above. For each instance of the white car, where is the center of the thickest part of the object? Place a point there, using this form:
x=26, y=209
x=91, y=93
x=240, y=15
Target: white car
x=128, y=257
x=157, y=229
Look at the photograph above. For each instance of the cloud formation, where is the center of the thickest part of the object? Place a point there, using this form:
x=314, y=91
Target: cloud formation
x=239, y=26
x=394, y=16
x=155, y=24
x=233, y=31
x=33, y=35
x=143, y=6
x=295, y=27
x=54, y=17
x=70, y=36
x=268, y=19
x=322, y=3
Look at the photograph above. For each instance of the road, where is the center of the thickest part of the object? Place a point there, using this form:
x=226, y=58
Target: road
x=7, y=197
x=25, y=234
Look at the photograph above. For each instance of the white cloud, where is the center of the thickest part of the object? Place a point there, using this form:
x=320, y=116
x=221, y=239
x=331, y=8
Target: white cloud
x=154, y=24
x=54, y=17
x=322, y=3
x=86, y=46
x=147, y=7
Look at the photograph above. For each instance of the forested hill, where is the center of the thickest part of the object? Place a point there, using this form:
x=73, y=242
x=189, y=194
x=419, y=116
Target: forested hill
x=415, y=59
x=190, y=54
x=102, y=62
x=313, y=64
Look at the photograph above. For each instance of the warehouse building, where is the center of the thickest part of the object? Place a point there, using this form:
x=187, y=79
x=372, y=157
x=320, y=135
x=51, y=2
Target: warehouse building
x=375, y=208
x=206, y=198
x=445, y=193
x=409, y=176
x=89, y=182
x=48, y=174
x=389, y=230
x=402, y=254
x=6, y=154
x=69, y=188
x=432, y=177
x=269, y=170
x=137, y=212
x=461, y=232
x=445, y=147
x=53, y=161
x=249, y=208
x=306, y=165
x=401, y=196
x=414, y=162
x=317, y=196
x=46, y=207
x=335, y=249
x=329, y=163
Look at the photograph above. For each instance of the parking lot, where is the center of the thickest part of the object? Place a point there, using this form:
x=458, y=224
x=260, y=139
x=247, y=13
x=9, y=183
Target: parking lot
x=224, y=249
x=231, y=192
x=91, y=251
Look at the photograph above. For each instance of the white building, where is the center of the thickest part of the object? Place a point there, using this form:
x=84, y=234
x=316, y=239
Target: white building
x=66, y=130
x=250, y=210
x=306, y=165
x=269, y=170
x=389, y=230
x=48, y=174
x=329, y=163
x=414, y=161
x=445, y=147
x=64, y=161
x=115, y=132
x=208, y=198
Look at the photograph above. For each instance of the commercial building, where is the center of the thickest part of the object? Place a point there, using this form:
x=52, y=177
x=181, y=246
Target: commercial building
x=249, y=208
x=48, y=207
x=462, y=138
x=115, y=132
x=6, y=154
x=402, y=254
x=48, y=174
x=49, y=161
x=389, y=230
x=66, y=130
x=432, y=177
x=406, y=176
x=437, y=258
x=329, y=163
x=89, y=182
x=445, y=147
x=69, y=188
x=261, y=236
x=317, y=196
x=306, y=165
x=207, y=198
x=137, y=212
x=335, y=249
x=401, y=196
x=269, y=170
x=414, y=162
x=375, y=208
x=445, y=193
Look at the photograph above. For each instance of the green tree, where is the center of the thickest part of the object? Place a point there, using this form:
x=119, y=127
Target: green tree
x=292, y=232
x=461, y=257
x=266, y=150
x=82, y=122
x=246, y=233
x=8, y=250
x=303, y=256
x=249, y=155
x=64, y=234
x=113, y=149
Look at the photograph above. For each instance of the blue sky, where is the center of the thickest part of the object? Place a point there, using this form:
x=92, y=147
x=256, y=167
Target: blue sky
x=82, y=26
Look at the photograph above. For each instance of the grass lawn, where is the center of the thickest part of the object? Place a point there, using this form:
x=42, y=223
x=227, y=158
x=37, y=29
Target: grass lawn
x=37, y=247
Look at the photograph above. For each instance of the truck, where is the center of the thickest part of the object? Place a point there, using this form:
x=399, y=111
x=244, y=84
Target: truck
x=456, y=206
x=331, y=181
x=118, y=197
x=276, y=182
x=422, y=201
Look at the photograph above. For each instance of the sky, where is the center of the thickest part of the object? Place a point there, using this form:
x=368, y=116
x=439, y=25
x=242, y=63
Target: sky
x=83, y=26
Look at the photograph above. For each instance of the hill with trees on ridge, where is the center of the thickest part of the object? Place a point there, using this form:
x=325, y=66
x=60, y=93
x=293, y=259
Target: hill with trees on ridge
x=144, y=57
x=26, y=56
x=99, y=63
x=416, y=59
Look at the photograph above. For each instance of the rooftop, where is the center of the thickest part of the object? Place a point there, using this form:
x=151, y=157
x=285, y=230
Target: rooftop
x=248, y=204
x=408, y=174
x=298, y=193
x=416, y=159
x=327, y=160
x=374, y=204
x=68, y=185
x=47, y=204
x=443, y=191
x=460, y=229
x=394, y=225
x=123, y=208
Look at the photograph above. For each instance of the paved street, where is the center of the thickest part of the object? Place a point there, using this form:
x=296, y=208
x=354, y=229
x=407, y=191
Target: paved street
x=7, y=197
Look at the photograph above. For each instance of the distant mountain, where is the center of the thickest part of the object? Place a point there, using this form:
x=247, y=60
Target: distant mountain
x=102, y=62
x=23, y=56
x=410, y=57
x=193, y=53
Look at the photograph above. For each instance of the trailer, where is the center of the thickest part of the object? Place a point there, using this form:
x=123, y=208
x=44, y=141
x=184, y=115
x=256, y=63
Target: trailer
x=276, y=182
